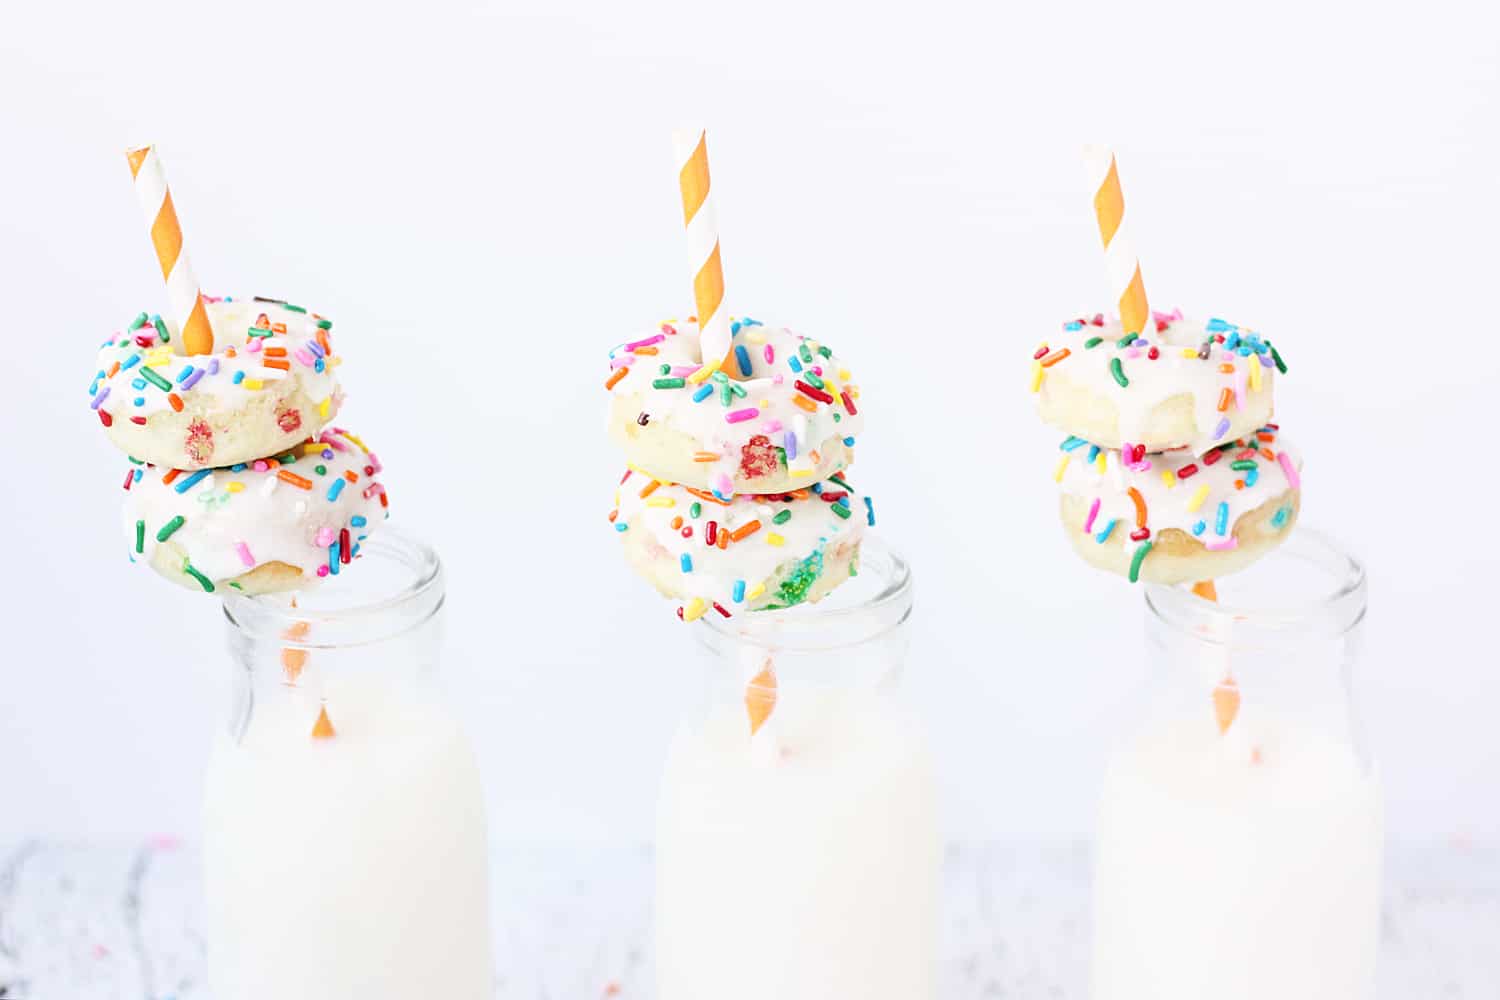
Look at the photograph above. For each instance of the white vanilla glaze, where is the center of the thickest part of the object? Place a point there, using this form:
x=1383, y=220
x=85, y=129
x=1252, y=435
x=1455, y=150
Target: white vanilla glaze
x=751, y=572
x=1206, y=504
x=211, y=391
x=744, y=404
x=244, y=516
x=1177, y=370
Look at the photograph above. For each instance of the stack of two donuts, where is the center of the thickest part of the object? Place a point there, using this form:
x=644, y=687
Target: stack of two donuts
x=735, y=497
x=1172, y=470
x=237, y=479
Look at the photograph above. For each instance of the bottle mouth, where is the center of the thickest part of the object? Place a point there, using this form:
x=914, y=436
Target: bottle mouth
x=395, y=585
x=876, y=601
x=1309, y=586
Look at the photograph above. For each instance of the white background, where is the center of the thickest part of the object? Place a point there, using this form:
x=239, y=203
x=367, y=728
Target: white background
x=485, y=201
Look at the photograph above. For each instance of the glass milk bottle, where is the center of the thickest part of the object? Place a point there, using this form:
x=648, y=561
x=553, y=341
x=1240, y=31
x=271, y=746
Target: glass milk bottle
x=344, y=827
x=797, y=840
x=1239, y=841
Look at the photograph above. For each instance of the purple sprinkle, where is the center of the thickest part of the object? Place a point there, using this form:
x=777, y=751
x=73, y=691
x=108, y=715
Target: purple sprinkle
x=1266, y=361
x=94, y=405
x=789, y=441
x=1222, y=429
x=316, y=348
x=213, y=367
x=192, y=379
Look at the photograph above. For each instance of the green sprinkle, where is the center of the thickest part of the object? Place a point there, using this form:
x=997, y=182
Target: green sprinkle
x=1118, y=371
x=724, y=394
x=719, y=377
x=325, y=324
x=1276, y=357
x=813, y=380
x=827, y=354
x=155, y=379
x=1243, y=465
x=292, y=308
x=134, y=460
x=140, y=536
x=836, y=417
x=805, y=354
x=1092, y=343
x=840, y=509
x=169, y=527
x=782, y=518
x=1126, y=340
x=203, y=581
x=236, y=585
x=161, y=329
x=793, y=589
x=665, y=369
x=668, y=383
x=738, y=390
x=1137, y=559
x=288, y=458
x=321, y=470
x=696, y=510
x=256, y=331
x=139, y=322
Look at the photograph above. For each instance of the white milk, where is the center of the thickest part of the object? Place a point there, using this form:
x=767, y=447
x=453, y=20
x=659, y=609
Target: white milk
x=1245, y=867
x=352, y=868
x=804, y=868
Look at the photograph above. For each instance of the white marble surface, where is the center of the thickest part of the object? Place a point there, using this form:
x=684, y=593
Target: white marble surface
x=122, y=922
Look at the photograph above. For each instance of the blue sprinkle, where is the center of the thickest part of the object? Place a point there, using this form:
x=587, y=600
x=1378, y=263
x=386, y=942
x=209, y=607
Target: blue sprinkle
x=752, y=322
x=687, y=563
x=138, y=384
x=335, y=489
x=1103, y=536
x=1072, y=443
x=1279, y=518
x=870, y=512
x=743, y=357
x=138, y=474
x=1074, y=325
x=353, y=550
x=1199, y=528
x=129, y=362
x=739, y=592
x=1252, y=476
x=318, y=366
x=734, y=328
x=1221, y=519
x=1218, y=326
x=791, y=360
x=238, y=467
x=358, y=521
x=703, y=392
x=621, y=526
x=1093, y=453
x=817, y=488
x=333, y=559
x=1243, y=351
x=849, y=442
x=186, y=371
x=139, y=401
x=191, y=481
x=238, y=377
x=1232, y=341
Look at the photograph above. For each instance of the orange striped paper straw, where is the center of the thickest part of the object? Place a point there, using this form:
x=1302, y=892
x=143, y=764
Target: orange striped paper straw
x=166, y=239
x=703, y=247
x=1120, y=260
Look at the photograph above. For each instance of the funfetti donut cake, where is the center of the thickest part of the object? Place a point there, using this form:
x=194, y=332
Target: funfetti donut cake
x=223, y=409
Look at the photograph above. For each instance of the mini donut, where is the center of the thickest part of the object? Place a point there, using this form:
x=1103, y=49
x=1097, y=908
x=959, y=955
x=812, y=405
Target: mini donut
x=275, y=524
x=781, y=415
x=1176, y=517
x=1185, y=384
x=269, y=385
x=746, y=554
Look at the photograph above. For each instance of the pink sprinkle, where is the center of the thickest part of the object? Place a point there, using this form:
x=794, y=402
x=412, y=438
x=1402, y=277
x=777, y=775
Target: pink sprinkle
x=647, y=342
x=305, y=356
x=817, y=370
x=244, y=551
x=725, y=485
x=1134, y=352
x=323, y=570
x=623, y=361
x=253, y=346
x=1239, y=387
x=669, y=329
x=770, y=354
x=1292, y=477
x=375, y=462
x=1088, y=524
x=332, y=442
x=778, y=379
x=260, y=465
x=735, y=416
x=682, y=371
x=326, y=536
x=1223, y=545
x=771, y=426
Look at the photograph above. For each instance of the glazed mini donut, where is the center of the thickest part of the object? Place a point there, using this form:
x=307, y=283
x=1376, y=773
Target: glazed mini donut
x=275, y=524
x=269, y=384
x=782, y=414
x=1176, y=517
x=1184, y=384
x=747, y=554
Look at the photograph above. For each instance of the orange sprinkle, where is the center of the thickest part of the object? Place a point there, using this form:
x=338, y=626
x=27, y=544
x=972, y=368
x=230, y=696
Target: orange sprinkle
x=1140, y=507
x=614, y=514
x=229, y=353
x=614, y=379
x=745, y=530
x=288, y=476
x=351, y=475
x=292, y=662
x=1055, y=357
x=1225, y=398
x=1239, y=484
x=1265, y=436
x=723, y=542
x=296, y=630
x=274, y=352
x=801, y=494
x=323, y=728
x=805, y=403
x=677, y=522
x=283, y=365
x=708, y=497
x=278, y=328
x=171, y=475
x=113, y=369
x=649, y=488
x=760, y=697
x=706, y=456
x=646, y=350
x=1227, y=369
x=1226, y=704
x=1270, y=455
x=323, y=342
x=1206, y=590
x=175, y=400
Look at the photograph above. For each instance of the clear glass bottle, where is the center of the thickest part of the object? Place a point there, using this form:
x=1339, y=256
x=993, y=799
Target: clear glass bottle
x=1240, y=831
x=344, y=827
x=797, y=839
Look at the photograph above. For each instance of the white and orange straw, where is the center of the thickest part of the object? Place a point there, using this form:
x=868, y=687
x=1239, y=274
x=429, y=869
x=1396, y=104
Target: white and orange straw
x=183, y=294
x=1121, y=264
x=703, y=246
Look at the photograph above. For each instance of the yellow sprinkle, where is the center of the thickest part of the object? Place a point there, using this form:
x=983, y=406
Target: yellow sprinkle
x=694, y=610
x=234, y=487
x=755, y=591
x=704, y=372
x=309, y=447
x=323, y=408
x=661, y=502
x=332, y=362
x=763, y=403
x=1037, y=371
x=774, y=539
x=1254, y=375
x=617, y=499
x=1198, y=499
x=1169, y=477
x=357, y=441
x=802, y=472
x=1188, y=352
x=253, y=383
x=1062, y=467
x=1100, y=462
x=844, y=375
